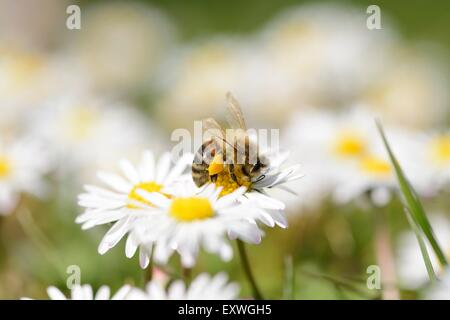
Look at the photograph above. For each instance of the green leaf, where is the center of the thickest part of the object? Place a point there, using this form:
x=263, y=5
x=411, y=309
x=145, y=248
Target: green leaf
x=413, y=203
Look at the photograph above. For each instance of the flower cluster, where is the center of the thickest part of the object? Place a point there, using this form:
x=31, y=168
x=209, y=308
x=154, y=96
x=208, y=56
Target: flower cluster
x=216, y=288
x=160, y=210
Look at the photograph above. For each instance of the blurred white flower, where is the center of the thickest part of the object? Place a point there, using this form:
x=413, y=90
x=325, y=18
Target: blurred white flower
x=23, y=164
x=122, y=44
x=193, y=218
x=85, y=292
x=324, y=65
x=411, y=269
x=19, y=71
x=203, y=287
x=343, y=149
x=441, y=289
x=85, y=134
x=121, y=202
x=412, y=97
x=23, y=86
x=196, y=79
x=343, y=156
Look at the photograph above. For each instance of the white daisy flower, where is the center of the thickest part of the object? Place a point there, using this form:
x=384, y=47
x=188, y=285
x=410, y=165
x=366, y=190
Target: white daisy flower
x=203, y=287
x=329, y=146
x=441, y=289
x=85, y=292
x=412, y=272
x=193, y=218
x=345, y=154
x=372, y=173
x=23, y=164
x=121, y=203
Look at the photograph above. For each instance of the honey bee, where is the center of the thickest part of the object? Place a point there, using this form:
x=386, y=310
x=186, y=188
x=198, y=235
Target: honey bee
x=228, y=152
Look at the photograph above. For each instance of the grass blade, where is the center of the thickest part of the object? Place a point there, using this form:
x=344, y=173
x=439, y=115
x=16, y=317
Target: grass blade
x=413, y=203
x=289, y=285
x=423, y=247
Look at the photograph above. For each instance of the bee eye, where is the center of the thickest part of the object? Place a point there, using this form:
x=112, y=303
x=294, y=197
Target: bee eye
x=256, y=167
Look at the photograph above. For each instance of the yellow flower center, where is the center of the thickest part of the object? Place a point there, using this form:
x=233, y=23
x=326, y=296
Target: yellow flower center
x=441, y=150
x=5, y=167
x=349, y=144
x=147, y=186
x=189, y=209
x=80, y=122
x=21, y=69
x=375, y=166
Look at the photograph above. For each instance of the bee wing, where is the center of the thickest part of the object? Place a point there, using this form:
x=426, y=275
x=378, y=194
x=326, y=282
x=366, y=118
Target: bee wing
x=218, y=133
x=235, y=117
x=214, y=129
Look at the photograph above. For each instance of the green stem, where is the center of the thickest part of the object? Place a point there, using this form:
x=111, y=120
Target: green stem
x=187, y=275
x=248, y=271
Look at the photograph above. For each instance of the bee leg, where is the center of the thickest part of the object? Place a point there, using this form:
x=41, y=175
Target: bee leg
x=232, y=174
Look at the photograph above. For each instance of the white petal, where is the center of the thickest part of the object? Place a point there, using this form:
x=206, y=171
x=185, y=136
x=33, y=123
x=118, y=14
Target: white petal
x=163, y=166
x=155, y=198
x=144, y=259
x=129, y=171
x=130, y=247
x=122, y=293
x=264, y=201
x=55, y=294
x=116, y=182
x=103, y=293
x=113, y=236
x=147, y=167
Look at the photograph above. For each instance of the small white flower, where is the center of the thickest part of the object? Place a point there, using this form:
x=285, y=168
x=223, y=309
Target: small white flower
x=121, y=202
x=193, y=218
x=85, y=292
x=203, y=287
x=412, y=272
x=23, y=164
x=441, y=289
